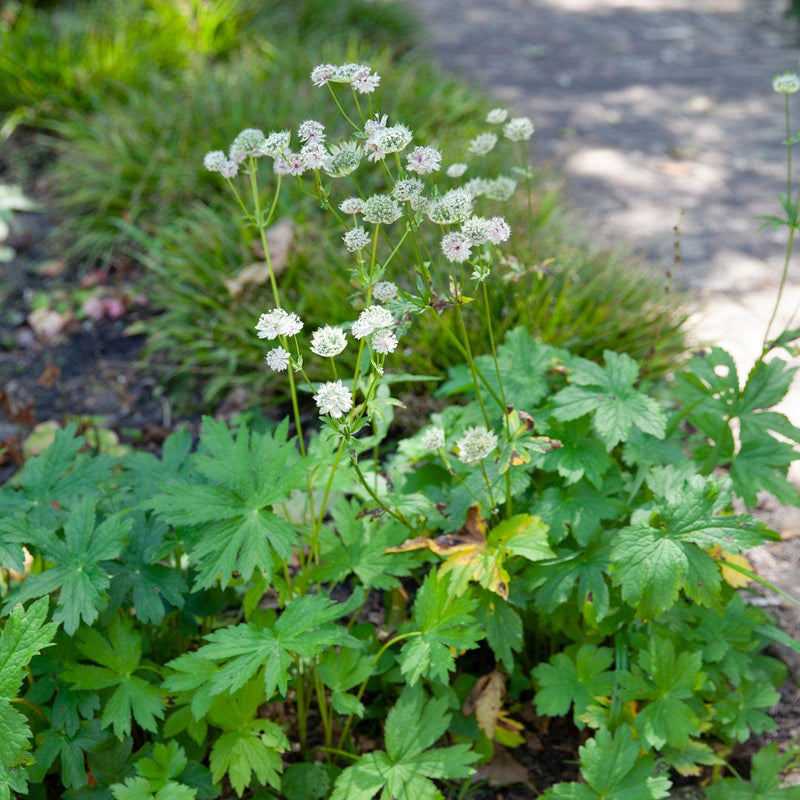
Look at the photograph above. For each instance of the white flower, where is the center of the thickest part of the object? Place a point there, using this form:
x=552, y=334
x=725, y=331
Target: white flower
x=387, y=140
x=277, y=359
x=424, y=160
x=229, y=169
x=381, y=209
x=383, y=291
x=433, y=438
x=477, y=186
x=289, y=163
x=497, y=230
x=333, y=398
x=278, y=323
x=497, y=116
x=314, y=155
x=453, y=206
x=384, y=341
x=518, y=129
x=456, y=170
x=475, y=444
x=370, y=320
x=500, y=188
x=328, y=341
x=365, y=81
x=356, y=239
x=474, y=229
x=352, y=205
x=407, y=189
x=215, y=160
x=456, y=247
x=275, y=143
x=322, y=73
x=248, y=143
x=482, y=144
x=311, y=131
x=344, y=159
x=788, y=83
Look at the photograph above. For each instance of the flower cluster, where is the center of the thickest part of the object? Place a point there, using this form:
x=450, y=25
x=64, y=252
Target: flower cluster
x=359, y=76
x=328, y=342
x=278, y=323
x=377, y=322
x=476, y=444
x=333, y=398
x=788, y=83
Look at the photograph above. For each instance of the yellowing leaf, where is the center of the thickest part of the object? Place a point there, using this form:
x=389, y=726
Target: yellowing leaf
x=485, y=701
x=507, y=731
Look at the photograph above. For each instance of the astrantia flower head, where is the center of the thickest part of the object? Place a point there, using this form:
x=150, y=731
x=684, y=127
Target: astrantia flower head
x=366, y=81
x=453, y=206
x=215, y=160
x=389, y=140
x=328, y=342
x=344, y=159
x=381, y=209
x=229, y=169
x=352, y=205
x=276, y=143
x=433, y=438
x=370, y=320
x=278, y=323
x=482, y=144
x=475, y=444
x=384, y=341
x=333, y=398
x=356, y=239
x=248, y=143
x=474, y=229
x=311, y=131
x=456, y=170
x=497, y=230
x=456, y=247
x=359, y=76
x=289, y=163
x=519, y=129
x=477, y=187
x=788, y=83
x=277, y=359
x=501, y=188
x=497, y=116
x=407, y=189
x=383, y=291
x=322, y=73
x=424, y=160
x=314, y=155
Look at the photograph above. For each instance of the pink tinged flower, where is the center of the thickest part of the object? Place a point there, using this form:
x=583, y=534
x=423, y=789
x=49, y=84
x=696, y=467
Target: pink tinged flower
x=230, y=169
x=424, y=160
x=328, y=342
x=322, y=73
x=474, y=229
x=384, y=341
x=277, y=359
x=352, y=205
x=289, y=163
x=314, y=155
x=366, y=82
x=311, y=131
x=497, y=116
x=276, y=143
x=456, y=247
x=497, y=230
x=333, y=398
x=518, y=129
x=214, y=160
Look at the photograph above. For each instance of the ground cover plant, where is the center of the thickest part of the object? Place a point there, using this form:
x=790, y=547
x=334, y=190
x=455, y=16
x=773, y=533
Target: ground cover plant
x=294, y=610
x=111, y=132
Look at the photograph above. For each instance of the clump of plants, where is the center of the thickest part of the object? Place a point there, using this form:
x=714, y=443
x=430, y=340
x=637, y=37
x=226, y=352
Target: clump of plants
x=317, y=610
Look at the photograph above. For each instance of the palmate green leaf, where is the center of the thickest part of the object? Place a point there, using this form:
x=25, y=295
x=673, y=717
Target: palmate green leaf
x=149, y=474
x=741, y=713
x=613, y=768
x=305, y=628
x=140, y=789
x=343, y=669
x=79, y=572
x=70, y=749
x=443, y=620
x=575, y=678
x=663, y=551
x=503, y=627
x=192, y=674
x=666, y=681
x=156, y=774
x=140, y=575
x=765, y=783
x=580, y=453
x=404, y=771
x=118, y=657
x=358, y=546
x=608, y=394
x=234, y=529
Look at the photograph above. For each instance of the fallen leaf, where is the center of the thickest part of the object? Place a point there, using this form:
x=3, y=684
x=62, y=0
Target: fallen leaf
x=11, y=451
x=503, y=770
x=279, y=242
x=485, y=701
x=50, y=374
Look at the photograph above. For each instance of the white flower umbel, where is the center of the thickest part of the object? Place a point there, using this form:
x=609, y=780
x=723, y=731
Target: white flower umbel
x=424, y=160
x=333, y=398
x=476, y=444
x=456, y=170
x=788, y=83
x=370, y=320
x=433, y=438
x=482, y=144
x=311, y=131
x=248, y=143
x=497, y=116
x=518, y=129
x=277, y=359
x=344, y=159
x=497, y=230
x=276, y=143
x=384, y=341
x=381, y=209
x=356, y=239
x=322, y=74
x=352, y=205
x=474, y=229
x=501, y=188
x=407, y=189
x=215, y=160
x=456, y=247
x=383, y=291
x=328, y=342
x=453, y=206
x=278, y=323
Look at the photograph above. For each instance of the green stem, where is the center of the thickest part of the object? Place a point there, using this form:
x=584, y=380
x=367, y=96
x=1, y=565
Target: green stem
x=322, y=703
x=462, y=328
x=302, y=706
x=396, y=514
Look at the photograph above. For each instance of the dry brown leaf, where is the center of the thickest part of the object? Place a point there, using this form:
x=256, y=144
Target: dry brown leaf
x=50, y=374
x=503, y=770
x=279, y=241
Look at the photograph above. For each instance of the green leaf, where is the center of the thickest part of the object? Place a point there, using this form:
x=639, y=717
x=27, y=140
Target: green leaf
x=404, y=771
x=305, y=628
x=343, y=669
x=666, y=681
x=613, y=768
x=522, y=535
x=443, y=620
x=575, y=678
x=119, y=657
x=742, y=711
x=140, y=789
x=503, y=627
x=306, y=781
x=767, y=767
x=358, y=546
x=578, y=455
x=79, y=572
x=233, y=528
x=608, y=394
